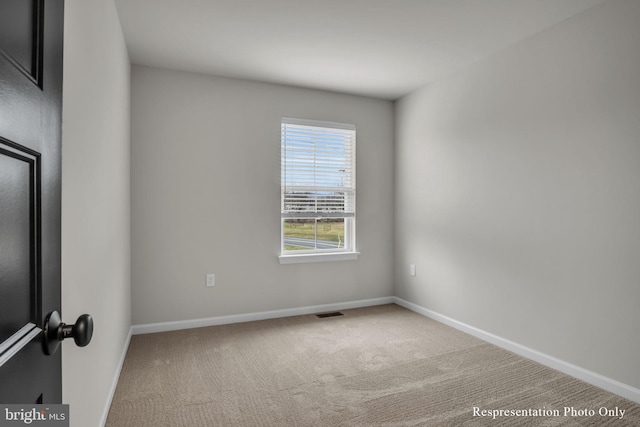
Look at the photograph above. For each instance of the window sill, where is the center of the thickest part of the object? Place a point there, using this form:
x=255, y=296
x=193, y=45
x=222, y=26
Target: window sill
x=320, y=257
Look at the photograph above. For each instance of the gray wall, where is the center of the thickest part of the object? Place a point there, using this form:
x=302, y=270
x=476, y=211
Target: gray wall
x=95, y=203
x=206, y=197
x=518, y=193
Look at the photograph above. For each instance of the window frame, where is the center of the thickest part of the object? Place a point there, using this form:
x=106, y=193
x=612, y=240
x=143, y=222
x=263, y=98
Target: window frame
x=348, y=214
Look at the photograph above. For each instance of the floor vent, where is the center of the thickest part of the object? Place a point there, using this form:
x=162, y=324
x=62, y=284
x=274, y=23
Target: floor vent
x=332, y=314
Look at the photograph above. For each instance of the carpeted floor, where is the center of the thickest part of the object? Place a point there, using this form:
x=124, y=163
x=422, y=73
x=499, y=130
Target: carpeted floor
x=375, y=366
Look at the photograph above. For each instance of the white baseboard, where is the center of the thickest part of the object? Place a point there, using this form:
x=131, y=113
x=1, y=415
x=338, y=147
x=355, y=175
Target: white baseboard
x=575, y=371
x=116, y=377
x=249, y=317
x=585, y=375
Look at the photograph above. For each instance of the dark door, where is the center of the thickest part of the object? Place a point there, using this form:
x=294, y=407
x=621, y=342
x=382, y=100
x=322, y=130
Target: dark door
x=30, y=165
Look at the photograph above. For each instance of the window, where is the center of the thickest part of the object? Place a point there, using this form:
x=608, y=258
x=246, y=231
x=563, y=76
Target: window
x=318, y=190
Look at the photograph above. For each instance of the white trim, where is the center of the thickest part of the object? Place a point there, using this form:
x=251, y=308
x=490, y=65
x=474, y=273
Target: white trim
x=318, y=257
x=590, y=377
x=116, y=377
x=317, y=123
x=250, y=317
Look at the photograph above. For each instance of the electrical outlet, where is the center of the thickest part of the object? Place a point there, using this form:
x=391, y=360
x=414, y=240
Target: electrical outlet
x=211, y=280
x=412, y=269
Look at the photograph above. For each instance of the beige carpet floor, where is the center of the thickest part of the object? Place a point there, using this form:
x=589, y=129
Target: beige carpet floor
x=375, y=366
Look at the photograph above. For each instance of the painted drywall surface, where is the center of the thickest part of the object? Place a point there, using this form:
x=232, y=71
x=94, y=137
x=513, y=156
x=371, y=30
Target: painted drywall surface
x=517, y=185
x=95, y=203
x=206, y=197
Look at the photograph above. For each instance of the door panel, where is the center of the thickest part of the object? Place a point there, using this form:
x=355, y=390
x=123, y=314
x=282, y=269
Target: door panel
x=30, y=171
x=21, y=30
x=18, y=247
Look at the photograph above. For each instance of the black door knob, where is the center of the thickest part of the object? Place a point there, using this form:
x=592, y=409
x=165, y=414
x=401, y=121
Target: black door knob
x=55, y=331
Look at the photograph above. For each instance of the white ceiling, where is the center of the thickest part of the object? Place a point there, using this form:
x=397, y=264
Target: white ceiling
x=378, y=48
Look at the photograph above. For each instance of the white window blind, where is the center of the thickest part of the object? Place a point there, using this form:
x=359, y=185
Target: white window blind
x=318, y=169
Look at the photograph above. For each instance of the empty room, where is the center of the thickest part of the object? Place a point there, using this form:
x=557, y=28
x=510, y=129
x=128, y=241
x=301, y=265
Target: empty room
x=309, y=213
